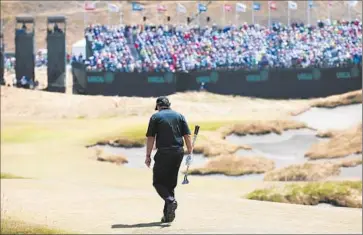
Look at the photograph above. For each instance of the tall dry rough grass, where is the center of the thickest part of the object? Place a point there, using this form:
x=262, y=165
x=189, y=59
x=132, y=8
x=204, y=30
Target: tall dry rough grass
x=116, y=159
x=350, y=162
x=212, y=144
x=305, y=172
x=353, y=97
x=344, y=193
x=342, y=143
x=232, y=165
x=259, y=127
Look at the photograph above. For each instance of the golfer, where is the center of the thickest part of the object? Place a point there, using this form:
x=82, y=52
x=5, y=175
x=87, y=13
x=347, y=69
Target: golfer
x=170, y=128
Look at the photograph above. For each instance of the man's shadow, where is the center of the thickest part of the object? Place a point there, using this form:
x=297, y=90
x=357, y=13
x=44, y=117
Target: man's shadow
x=142, y=225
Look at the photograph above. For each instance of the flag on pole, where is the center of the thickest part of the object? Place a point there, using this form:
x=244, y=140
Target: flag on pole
x=89, y=5
x=256, y=6
x=227, y=7
x=240, y=7
x=330, y=3
x=181, y=8
x=137, y=6
x=310, y=3
x=113, y=8
x=202, y=7
x=292, y=5
x=161, y=8
x=272, y=5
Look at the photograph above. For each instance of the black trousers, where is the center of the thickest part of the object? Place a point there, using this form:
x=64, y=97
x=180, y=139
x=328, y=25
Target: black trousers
x=165, y=172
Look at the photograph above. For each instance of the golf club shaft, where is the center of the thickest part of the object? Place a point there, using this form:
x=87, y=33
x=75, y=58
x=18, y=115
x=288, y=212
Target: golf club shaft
x=196, y=130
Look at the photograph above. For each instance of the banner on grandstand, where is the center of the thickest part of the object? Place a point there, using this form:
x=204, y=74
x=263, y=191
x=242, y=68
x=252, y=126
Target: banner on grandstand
x=272, y=5
x=161, y=8
x=113, y=8
x=202, y=7
x=240, y=7
x=256, y=6
x=292, y=5
x=275, y=83
x=181, y=8
x=137, y=6
x=90, y=5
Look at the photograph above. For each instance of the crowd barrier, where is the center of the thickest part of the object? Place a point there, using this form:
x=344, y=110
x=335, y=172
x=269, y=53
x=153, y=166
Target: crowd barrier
x=271, y=83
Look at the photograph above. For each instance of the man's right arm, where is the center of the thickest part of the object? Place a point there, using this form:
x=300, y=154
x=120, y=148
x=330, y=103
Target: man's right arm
x=187, y=135
x=188, y=142
x=150, y=134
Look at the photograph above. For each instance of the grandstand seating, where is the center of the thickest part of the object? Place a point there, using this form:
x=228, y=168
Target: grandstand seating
x=181, y=48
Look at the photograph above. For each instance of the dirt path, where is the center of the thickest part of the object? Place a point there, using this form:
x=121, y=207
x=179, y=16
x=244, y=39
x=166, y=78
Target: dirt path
x=93, y=208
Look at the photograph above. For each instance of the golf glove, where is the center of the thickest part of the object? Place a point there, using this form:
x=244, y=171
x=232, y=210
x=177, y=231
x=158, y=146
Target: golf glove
x=188, y=161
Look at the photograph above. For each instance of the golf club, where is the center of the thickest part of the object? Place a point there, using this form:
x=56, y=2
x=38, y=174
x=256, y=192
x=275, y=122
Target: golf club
x=189, y=157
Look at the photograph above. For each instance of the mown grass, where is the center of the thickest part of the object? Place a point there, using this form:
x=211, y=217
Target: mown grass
x=10, y=176
x=10, y=226
x=341, y=144
x=343, y=193
x=232, y=165
x=30, y=133
x=304, y=172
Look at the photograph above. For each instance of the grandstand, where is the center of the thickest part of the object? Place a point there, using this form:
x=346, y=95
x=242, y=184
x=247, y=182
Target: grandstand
x=163, y=39
x=182, y=48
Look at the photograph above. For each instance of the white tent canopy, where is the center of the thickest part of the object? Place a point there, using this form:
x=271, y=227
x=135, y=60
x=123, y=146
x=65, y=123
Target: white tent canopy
x=79, y=48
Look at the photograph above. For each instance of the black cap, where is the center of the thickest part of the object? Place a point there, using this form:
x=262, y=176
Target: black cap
x=162, y=101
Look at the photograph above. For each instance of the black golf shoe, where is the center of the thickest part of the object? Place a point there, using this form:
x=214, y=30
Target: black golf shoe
x=170, y=211
x=163, y=220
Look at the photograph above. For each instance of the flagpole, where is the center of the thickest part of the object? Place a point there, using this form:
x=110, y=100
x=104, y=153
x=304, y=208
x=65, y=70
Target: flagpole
x=177, y=16
x=84, y=14
x=329, y=13
x=142, y=15
x=121, y=13
x=108, y=13
x=253, y=12
x=224, y=13
x=198, y=14
x=236, y=17
x=269, y=14
x=157, y=15
x=288, y=14
x=349, y=12
x=308, y=12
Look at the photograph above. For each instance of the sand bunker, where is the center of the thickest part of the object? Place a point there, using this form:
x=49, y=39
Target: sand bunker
x=285, y=149
x=342, y=117
x=136, y=159
x=351, y=172
x=136, y=156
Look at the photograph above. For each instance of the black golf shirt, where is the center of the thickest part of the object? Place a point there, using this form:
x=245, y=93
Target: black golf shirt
x=169, y=127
